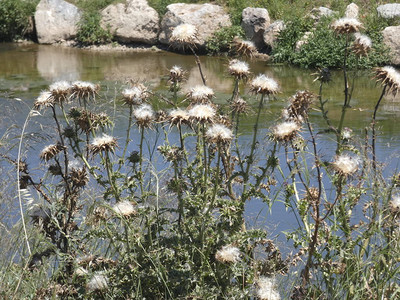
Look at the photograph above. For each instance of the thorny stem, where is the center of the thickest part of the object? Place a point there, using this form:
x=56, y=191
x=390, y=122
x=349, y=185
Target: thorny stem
x=373, y=129
x=128, y=131
x=109, y=175
x=198, y=65
x=141, y=160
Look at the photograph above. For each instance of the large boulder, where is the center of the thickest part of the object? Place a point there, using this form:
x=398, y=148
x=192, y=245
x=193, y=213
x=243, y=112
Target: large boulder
x=56, y=20
x=272, y=32
x=254, y=23
x=389, y=11
x=133, y=21
x=352, y=11
x=320, y=12
x=391, y=38
x=208, y=18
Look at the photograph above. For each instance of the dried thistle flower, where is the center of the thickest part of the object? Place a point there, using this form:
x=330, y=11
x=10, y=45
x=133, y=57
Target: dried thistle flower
x=266, y=289
x=178, y=116
x=184, y=34
x=239, y=69
x=263, y=84
x=51, y=151
x=161, y=116
x=362, y=44
x=285, y=131
x=103, y=144
x=135, y=95
x=347, y=133
x=176, y=74
x=389, y=78
x=98, y=282
x=299, y=106
x=60, y=91
x=200, y=94
x=84, y=90
x=346, y=25
x=245, y=48
x=44, y=100
x=228, y=254
x=124, y=208
x=144, y=115
x=171, y=153
x=239, y=106
x=79, y=177
x=345, y=165
x=202, y=113
x=219, y=133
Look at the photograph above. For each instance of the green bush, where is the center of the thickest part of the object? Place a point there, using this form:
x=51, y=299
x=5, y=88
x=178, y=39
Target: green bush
x=14, y=18
x=90, y=32
x=221, y=40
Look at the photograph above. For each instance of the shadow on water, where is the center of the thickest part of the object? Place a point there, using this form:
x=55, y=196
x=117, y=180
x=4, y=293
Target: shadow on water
x=28, y=69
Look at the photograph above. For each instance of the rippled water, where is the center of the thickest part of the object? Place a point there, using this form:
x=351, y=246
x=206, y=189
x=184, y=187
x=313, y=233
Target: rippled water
x=27, y=69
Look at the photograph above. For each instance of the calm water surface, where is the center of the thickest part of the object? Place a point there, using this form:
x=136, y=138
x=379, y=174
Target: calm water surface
x=25, y=70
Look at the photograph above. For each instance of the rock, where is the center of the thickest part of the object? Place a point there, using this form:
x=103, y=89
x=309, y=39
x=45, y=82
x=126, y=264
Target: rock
x=389, y=11
x=208, y=18
x=133, y=21
x=352, y=11
x=254, y=23
x=303, y=41
x=56, y=20
x=318, y=13
x=272, y=32
x=391, y=38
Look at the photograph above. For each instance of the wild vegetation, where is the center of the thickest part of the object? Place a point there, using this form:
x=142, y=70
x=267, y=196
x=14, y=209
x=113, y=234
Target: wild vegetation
x=160, y=212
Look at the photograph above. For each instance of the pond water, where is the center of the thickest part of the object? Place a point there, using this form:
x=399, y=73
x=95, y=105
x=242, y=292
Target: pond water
x=27, y=69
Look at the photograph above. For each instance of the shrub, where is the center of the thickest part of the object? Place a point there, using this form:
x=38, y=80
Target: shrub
x=221, y=40
x=14, y=18
x=90, y=32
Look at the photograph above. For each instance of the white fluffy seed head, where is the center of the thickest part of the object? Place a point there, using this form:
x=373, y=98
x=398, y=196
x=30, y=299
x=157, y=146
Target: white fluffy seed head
x=200, y=94
x=285, y=131
x=346, y=25
x=98, y=282
x=144, y=115
x=345, y=164
x=44, y=100
x=239, y=69
x=135, y=95
x=202, y=113
x=103, y=143
x=125, y=208
x=219, y=133
x=266, y=289
x=263, y=84
x=60, y=86
x=228, y=254
x=178, y=116
x=184, y=34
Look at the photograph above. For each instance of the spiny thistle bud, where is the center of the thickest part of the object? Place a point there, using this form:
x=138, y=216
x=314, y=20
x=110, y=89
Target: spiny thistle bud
x=238, y=69
x=144, y=115
x=245, y=48
x=323, y=75
x=228, y=254
x=79, y=177
x=362, y=44
x=176, y=74
x=50, y=151
x=84, y=90
x=285, y=131
x=389, y=78
x=219, y=133
x=184, y=35
x=346, y=25
x=263, y=84
x=60, y=91
x=171, y=153
x=135, y=95
x=202, y=113
x=200, y=94
x=299, y=106
x=44, y=100
x=55, y=170
x=239, y=106
x=345, y=165
x=104, y=143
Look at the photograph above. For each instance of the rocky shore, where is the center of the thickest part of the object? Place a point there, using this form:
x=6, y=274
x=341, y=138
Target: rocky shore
x=136, y=26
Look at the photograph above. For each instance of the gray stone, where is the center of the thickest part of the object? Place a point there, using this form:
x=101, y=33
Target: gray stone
x=133, y=21
x=389, y=11
x=56, y=20
x=318, y=13
x=208, y=18
x=391, y=38
x=352, y=11
x=304, y=40
x=272, y=32
x=254, y=23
